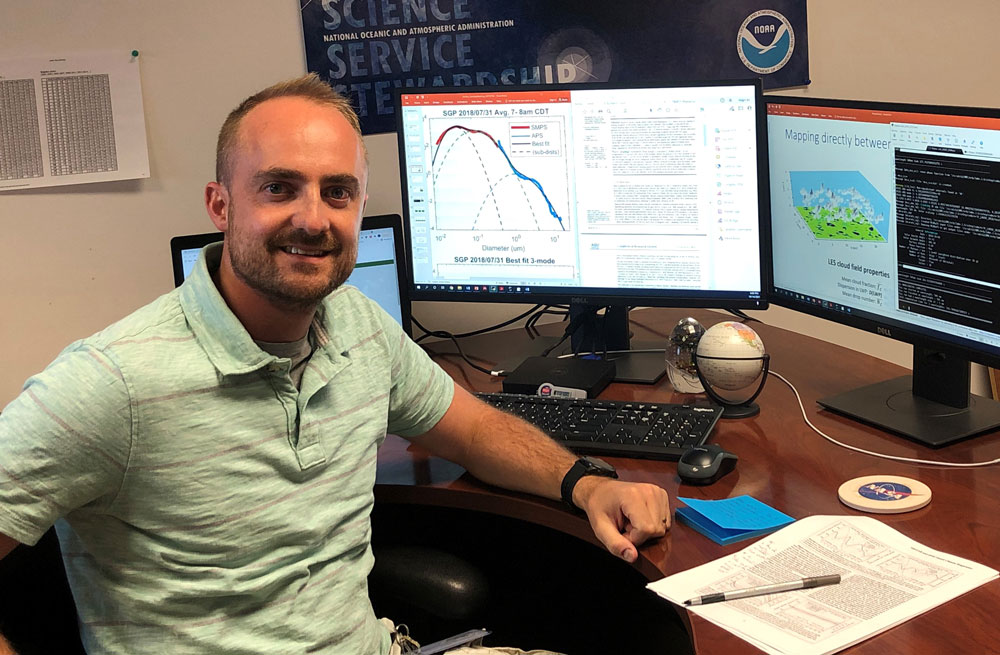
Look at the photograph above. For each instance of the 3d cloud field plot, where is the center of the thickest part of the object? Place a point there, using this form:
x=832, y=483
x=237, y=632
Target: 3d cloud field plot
x=840, y=205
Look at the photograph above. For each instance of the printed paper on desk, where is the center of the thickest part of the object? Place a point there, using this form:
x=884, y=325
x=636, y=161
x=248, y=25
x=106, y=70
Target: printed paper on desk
x=886, y=579
x=731, y=519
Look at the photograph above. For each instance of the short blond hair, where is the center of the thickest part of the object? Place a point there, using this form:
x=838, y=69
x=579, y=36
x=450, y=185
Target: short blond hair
x=310, y=87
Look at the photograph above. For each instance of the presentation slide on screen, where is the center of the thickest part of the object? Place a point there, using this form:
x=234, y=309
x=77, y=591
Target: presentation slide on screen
x=637, y=188
x=891, y=214
x=832, y=203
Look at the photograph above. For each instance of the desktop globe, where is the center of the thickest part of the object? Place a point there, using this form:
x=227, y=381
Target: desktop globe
x=731, y=356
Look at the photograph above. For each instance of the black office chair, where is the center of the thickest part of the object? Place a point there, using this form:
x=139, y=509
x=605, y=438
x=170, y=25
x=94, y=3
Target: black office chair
x=431, y=588
x=437, y=594
x=441, y=571
x=532, y=586
x=37, y=613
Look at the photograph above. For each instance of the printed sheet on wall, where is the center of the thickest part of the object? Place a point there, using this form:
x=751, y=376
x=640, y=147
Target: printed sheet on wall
x=71, y=119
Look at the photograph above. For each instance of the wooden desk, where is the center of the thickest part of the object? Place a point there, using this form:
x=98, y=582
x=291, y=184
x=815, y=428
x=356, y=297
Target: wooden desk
x=782, y=462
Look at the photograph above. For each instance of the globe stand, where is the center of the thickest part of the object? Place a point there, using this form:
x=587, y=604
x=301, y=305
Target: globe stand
x=730, y=408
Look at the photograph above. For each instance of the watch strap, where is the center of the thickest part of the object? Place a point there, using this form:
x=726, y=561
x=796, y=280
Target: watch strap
x=582, y=468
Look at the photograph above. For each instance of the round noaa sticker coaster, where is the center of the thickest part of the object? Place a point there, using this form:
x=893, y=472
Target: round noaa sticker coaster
x=884, y=494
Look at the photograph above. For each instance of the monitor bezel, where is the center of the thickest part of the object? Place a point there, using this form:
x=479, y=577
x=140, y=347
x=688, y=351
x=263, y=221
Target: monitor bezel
x=915, y=335
x=186, y=242
x=606, y=296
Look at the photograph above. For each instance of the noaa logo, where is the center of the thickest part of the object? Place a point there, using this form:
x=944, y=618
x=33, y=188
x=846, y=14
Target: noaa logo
x=765, y=41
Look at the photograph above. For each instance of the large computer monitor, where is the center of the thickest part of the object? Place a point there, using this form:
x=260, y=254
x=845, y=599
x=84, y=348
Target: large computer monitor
x=379, y=272
x=886, y=217
x=593, y=195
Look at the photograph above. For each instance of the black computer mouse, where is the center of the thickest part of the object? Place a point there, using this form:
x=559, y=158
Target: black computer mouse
x=705, y=464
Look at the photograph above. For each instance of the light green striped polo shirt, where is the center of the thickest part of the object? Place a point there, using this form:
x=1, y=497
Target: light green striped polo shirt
x=209, y=505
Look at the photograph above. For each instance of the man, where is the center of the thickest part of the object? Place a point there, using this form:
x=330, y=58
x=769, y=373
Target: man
x=213, y=454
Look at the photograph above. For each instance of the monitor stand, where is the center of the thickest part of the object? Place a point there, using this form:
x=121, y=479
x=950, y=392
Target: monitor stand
x=933, y=406
x=611, y=332
x=611, y=328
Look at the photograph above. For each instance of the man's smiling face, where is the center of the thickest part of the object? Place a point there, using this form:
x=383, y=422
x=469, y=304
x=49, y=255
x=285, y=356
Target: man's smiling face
x=296, y=193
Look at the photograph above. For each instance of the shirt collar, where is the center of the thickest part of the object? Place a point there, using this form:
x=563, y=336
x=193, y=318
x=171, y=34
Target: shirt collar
x=227, y=343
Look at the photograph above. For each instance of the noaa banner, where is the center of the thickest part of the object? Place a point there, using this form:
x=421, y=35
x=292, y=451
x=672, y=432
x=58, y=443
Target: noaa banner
x=367, y=48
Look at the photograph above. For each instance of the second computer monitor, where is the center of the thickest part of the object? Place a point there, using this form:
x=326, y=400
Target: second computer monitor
x=594, y=194
x=886, y=217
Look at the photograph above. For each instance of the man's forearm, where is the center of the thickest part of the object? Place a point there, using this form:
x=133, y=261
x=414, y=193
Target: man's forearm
x=499, y=448
x=5, y=647
x=508, y=452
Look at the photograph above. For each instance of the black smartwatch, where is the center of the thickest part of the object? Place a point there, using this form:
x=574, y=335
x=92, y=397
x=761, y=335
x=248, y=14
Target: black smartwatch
x=584, y=466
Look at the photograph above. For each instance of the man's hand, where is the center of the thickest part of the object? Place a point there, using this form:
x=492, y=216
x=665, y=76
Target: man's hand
x=623, y=515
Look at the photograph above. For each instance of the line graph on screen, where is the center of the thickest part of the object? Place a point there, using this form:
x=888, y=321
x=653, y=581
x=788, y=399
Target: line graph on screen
x=499, y=175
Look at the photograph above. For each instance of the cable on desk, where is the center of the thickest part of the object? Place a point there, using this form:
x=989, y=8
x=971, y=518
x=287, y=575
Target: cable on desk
x=662, y=351
x=536, y=312
x=574, y=324
x=469, y=361
x=556, y=310
x=896, y=458
x=442, y=334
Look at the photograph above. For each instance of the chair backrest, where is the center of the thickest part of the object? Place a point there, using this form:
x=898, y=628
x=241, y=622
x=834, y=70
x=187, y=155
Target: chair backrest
x=37, y=613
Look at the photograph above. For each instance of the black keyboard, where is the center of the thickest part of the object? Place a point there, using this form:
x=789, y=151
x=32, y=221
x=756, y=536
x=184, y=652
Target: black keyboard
x=614, y=427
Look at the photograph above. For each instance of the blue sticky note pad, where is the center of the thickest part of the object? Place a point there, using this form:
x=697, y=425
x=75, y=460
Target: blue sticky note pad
x=731, y=519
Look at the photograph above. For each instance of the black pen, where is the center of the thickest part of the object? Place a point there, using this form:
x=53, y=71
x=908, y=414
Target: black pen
x=804, y=583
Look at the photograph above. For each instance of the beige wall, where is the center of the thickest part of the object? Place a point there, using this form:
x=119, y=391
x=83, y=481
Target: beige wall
x=74, y=259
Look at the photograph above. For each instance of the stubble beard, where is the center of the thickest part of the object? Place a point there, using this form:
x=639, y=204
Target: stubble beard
x=254, y=265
